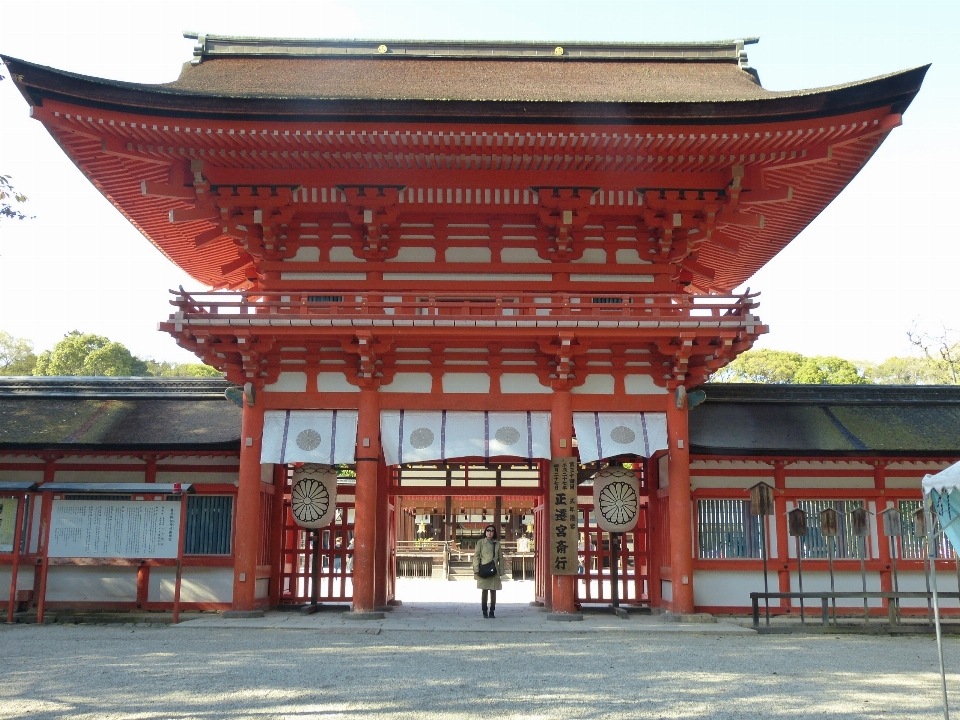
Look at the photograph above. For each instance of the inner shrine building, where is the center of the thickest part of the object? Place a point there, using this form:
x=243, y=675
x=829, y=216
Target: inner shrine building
x=442, y=264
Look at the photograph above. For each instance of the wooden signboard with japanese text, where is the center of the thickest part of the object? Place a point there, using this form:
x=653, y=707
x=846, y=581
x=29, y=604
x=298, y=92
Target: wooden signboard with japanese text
x=564, y=533
x=115, y=529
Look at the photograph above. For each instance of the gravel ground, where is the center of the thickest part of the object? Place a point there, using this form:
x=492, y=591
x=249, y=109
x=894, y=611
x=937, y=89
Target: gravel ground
x=163, y=672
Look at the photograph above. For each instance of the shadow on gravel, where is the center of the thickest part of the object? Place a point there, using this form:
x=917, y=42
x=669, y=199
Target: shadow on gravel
x=105, y=672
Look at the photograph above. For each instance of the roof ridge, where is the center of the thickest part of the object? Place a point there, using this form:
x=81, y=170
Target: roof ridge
x=210, y=45
x=113, y=387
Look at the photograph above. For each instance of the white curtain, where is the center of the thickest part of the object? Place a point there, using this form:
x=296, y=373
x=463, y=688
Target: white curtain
x=410, y=436
x=327, y=437
x=601, y=434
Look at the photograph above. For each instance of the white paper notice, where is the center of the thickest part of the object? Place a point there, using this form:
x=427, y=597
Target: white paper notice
x=114, y=529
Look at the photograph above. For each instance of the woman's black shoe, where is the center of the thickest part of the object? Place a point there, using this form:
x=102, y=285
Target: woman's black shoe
x=492, y=615
x=485, y=613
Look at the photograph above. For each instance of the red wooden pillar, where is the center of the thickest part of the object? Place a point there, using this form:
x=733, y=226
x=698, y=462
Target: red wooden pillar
x=382, y=553
x=365, y=515
x=246, y=532
x=654, y=551
x=561, y=445
x=681, y=520
x=277, y=533
x=783, y=535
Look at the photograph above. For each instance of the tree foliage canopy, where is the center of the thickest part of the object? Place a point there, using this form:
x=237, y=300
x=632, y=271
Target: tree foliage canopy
x=86, y=354
x=782, y=367
x=16, y=355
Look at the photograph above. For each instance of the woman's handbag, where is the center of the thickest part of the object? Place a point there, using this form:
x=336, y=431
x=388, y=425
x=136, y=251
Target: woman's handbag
x=487, y=570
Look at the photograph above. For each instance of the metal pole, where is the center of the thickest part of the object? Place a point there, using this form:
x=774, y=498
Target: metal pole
x=936, y=601
x=928, y=550
x=614, y=570
x=833, y=589
x=763, y=553
x=315, y=585
x=803, y=617
x=896, y=579
x=863, y=576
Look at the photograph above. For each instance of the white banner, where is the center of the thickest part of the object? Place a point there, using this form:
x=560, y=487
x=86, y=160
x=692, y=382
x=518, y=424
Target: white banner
x=313, y=498
x=602, y=435
x=410, y=436
x=114, y=529
x=325, y=437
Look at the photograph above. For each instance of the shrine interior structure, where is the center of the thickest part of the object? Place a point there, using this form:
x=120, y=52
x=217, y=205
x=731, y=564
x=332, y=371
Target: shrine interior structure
x=439, y=265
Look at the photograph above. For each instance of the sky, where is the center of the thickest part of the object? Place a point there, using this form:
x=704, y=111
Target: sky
x=880, y=260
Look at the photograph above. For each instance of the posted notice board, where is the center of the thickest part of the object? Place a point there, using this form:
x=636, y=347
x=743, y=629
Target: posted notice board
x=564, y=532
x=115, y=528
x=8, y=523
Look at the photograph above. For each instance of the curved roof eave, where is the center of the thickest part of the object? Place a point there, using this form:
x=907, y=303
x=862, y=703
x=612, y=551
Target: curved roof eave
x=37, y=82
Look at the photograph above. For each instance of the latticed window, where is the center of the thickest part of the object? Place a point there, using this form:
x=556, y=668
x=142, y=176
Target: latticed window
x=914, y=548
x=727, y=530
x=209, y=524
x=815, y=545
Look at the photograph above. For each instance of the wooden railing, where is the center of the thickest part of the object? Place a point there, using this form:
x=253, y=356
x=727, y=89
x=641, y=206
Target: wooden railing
x=413, y=306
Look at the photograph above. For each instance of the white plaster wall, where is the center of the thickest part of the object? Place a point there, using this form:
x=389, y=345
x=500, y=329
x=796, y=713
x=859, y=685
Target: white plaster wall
x=198, y=460
x=198, y=478
x=409, y=382
x=666, y=590
x=22, y=475
x=916, y=582
x=262, y=590
x=288, y=382
x=518, y=383
x=466, y=383
x=729, y=588
x=341, y=253
x=593, y=255
x=207, y=584
x=91, y=584
x=663, y=472
x=521, y=255
x=642, y=385
x=829, y=482
x=630, y=256
x=467, y=254
x=726, y=481
x=334, y=382
x=415, y=254
x=24, y=579
x=595, y=384
x=100, y=460
x=909, y=483
x=99, y=476
x=306, y=254
x=844, y=582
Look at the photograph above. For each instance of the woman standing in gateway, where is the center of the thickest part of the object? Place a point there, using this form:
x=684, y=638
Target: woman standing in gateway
x=487, y=568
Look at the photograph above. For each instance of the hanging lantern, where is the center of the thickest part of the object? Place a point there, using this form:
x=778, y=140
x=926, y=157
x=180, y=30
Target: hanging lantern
x=616, y=499
x=313, y=497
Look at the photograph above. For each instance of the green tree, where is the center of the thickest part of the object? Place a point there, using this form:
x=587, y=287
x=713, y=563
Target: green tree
x=907, y=371
x=761, y=366
x=828, y=370
x=87, y=354
x=169, y=369
x=16, y=355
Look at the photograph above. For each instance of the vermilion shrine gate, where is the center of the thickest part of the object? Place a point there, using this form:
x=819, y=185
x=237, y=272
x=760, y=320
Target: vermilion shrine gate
x=463, y=239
